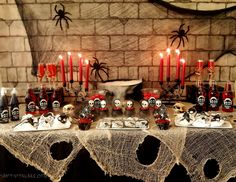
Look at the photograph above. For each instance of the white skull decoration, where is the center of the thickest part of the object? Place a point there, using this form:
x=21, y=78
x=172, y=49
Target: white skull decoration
x=68, y=109
x=179, y=108
x=117, y=103
x=129, y=103
x=158, y=103
x=144, y=104
x=91, y=103
x=103, y=103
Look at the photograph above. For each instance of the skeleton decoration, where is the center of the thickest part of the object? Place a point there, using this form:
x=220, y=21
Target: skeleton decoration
x=69, y=109
x=117, y=108
x=129, y=108
x=103, y=104
x=91, y=104
x=179, y=108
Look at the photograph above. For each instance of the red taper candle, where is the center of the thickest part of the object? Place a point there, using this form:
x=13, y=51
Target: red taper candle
x=177, y=65
x=87, y=75
x=183, y=72
x=63, y=76
x=71, y=67
x=80, y=63
x=168, y=64
x=211, y=65
x=161, y=69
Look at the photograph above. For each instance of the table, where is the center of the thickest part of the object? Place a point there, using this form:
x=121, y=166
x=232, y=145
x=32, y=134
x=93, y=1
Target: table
x=115, y=151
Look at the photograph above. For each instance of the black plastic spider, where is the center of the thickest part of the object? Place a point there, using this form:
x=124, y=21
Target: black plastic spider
x=61, y=15
x=181, y=34
x=97, y=67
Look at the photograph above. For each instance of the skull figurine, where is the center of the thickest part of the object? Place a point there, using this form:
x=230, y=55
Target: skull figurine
x=103, y=104
x=152, y=101
x=91, y=103
x=144, y=105
x=158, y=103
x=69, y=109
x=117, y=103
x=179, y=108
x=129, y=104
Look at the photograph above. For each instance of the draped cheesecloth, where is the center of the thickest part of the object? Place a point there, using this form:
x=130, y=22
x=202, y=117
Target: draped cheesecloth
x=115, y=151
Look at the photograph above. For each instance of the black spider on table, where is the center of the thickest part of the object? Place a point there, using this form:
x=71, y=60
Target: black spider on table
x=181, y=34
x=98, y=67
x=61, y=15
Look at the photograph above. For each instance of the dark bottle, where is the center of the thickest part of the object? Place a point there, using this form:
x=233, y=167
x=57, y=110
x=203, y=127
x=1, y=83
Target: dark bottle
x=30, y=101
x=227, y=96
x=200, y=97
x=43, y=100
x=213, y=96
x=14, y=106
x=4, y=112
x=56, y=99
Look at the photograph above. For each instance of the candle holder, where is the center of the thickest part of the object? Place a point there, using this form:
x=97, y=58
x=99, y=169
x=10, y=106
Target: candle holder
x=79, y=92
x=171, y=92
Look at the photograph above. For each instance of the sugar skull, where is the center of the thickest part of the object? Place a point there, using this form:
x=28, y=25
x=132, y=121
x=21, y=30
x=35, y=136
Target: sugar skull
x=144, y=104
x=91, y=103
x=158, y=103
x=103, y=103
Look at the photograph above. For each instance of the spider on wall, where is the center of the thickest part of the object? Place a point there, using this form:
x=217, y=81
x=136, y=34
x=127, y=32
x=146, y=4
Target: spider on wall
x=98, y=67
x=181, y=34
x=61, y=15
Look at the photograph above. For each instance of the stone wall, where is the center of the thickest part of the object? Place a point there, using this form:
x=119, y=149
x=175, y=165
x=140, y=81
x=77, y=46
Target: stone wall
x=128, y=35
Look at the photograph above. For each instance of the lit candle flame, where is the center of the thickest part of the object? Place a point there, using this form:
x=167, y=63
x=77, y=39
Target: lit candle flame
x=161, y=55
x=86, y=61
x=182, y=61
x=168, y=50
x=177, y=51
x=80, y=55
x=69, y=53
x=60, y=57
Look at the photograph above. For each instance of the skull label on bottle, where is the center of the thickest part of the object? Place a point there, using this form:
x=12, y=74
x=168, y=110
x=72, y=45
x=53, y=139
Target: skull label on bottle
x=43, y=104
x=213, y=102
x=15, y=113
x=227, y=103
x=31, y=106
x=201, y=100
x=5, y=116
x=56, y=104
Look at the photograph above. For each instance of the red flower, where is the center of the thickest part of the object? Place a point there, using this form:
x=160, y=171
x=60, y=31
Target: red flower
x=97, y=96
x=148, y=95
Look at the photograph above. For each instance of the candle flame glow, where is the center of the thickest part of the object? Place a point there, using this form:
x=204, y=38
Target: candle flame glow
x=86, y=61
x=177, y=51
x=182, y=61
x=69, y=53
x=161, y=55
x=80, y=55
x=168, y=50
x=60, y=57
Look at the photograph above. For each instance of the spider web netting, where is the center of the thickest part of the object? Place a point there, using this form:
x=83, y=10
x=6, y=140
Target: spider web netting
x=115, y=151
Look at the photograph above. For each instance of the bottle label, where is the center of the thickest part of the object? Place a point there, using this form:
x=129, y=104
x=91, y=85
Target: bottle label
x=201, y=100
x=227, y=103
x=56, y=104
x=15, y=113
x=213, y=102
x=31, y=107
x=5, y=116
x=43, y=104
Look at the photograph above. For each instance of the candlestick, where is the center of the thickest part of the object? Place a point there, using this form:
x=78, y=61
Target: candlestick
x=168, y=64
x=71, y=67
x=161, y=69
x=87, y=75
x=63, y=76
x=177, y=65
x=80, y=63
x=211, y=65
x=183, y=72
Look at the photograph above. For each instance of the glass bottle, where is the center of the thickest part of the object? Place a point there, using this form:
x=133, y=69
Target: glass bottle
x=200, y=97
x=4, y=112
x=30, y=101
x=14, y=106
x=213, y=96
x=227, y=96
x=43, y=100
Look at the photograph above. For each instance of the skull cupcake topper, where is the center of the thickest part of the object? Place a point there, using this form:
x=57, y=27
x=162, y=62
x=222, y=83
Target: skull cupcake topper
x=129, y=105
x=144, y=105
x=152, y=101
x=91, y=103
x=117, y=104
